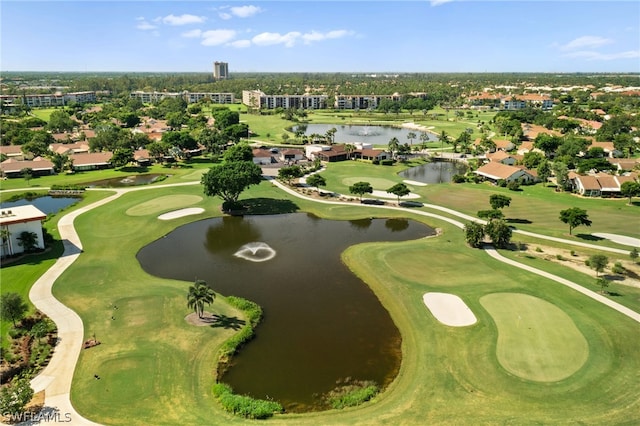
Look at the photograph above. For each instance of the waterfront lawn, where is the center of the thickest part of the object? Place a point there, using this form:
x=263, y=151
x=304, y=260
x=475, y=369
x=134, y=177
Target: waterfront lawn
x=155, y=369
x=534, y=208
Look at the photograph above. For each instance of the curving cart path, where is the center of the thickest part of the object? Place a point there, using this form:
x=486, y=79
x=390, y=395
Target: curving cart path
x=56, y=378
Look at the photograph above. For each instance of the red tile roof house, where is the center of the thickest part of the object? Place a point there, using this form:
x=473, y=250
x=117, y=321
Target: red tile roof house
x=262, y=157
x=495, y=171
x=39, y=167
x=624, y=164
x=332, y=154
x=607, y=147
x=587, y=186
x=371, y=154
x=142, y=157
x=502, y=157
x=69, y=148
x=91, y=161
x=17, y=220
x=12, y=151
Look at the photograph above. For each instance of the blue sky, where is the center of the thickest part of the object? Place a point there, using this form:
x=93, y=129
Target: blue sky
x=321, y=36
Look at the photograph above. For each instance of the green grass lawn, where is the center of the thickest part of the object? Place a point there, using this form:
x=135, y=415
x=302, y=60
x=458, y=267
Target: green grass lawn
x=156, y=369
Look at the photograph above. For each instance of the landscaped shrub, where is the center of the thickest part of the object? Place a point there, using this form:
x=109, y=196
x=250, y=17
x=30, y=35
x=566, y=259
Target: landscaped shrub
x=352, y=393
x=502, y=183
x=230, y=347
x=387, y=162
x=458, y=178
x=513, y=185
x=245, y=406
x=618, y=268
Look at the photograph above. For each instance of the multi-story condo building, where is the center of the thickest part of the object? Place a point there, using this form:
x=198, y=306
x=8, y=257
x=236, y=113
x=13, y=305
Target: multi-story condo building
x=220, y=70
x=258, y=100
x=50, y=100
x=362, y=101
x=152, y=97
x=216, y=98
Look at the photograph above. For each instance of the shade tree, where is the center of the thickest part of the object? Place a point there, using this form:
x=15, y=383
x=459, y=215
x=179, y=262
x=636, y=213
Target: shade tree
x=575, y=217
x=361, y=188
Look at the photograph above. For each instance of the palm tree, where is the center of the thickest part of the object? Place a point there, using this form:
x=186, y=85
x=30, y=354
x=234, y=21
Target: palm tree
x=349, y=148
x=199, y=294
x=411, y=136
x=394, y=143
x=444, y=138
x=5, y=235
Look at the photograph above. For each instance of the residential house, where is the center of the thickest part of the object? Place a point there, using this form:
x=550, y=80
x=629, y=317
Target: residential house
x=291, y=155
x=12, y=151
x=331, y=153
x=624, y=164
x=142, y=157
x=587, y=186
x=608, y=148
x=17, y=220
x=262, y=157
x=39, y=167
x=371, y=154
x=91, y=161
x=602, y=184
x=502, y=157
x=69, y=148
x=495, y=172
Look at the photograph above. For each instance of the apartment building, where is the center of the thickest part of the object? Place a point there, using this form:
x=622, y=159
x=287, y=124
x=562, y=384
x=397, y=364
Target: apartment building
x=258, y=99
x=362, y=101
x=50, y=100
x=153, y=97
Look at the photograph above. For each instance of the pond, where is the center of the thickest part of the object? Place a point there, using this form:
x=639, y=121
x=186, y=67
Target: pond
x=321, y=323
x=46, y=204
x=435, y=172
x=375, y=135
x=119, y=182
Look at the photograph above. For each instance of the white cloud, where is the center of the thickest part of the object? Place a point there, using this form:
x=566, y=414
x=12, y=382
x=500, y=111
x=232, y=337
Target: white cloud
x=144, y=25
x=240, y=44
x=245, y=11
x=225, y=16
x=439, y=2
x=591, y=55
x=183, y=19
x=192, y=34
x=317, y=36
x=586, y=42
x=268, y=39
x=217, y=37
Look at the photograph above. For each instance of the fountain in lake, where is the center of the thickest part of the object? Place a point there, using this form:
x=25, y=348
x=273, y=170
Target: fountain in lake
x=256, y=252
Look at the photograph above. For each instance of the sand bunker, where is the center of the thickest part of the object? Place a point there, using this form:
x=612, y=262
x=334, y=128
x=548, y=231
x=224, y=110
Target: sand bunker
x=385, y=194
x=181, y=213
x=620, y=239
x=414, y=182
x=449, y=309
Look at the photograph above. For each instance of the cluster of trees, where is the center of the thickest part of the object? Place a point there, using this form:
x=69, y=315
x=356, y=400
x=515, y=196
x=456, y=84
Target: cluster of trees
x=496, y=229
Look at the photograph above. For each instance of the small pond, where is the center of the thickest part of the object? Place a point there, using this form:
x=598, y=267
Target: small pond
x=119, y=182
x=46, y=204
x=435, y=172
x=321, y=323
x=376, y=135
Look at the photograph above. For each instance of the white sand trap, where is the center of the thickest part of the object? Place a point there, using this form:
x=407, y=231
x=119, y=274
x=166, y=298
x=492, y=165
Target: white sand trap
x=415, y=182
x=449, y=309
x=181, y=213
x=385, y=194
x=620, y=239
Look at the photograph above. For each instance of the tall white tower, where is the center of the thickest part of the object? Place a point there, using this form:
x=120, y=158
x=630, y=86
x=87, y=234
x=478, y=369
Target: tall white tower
x=220, y=70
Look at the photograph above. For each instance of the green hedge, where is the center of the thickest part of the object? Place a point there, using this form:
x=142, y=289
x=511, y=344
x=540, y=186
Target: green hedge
x=245, y=406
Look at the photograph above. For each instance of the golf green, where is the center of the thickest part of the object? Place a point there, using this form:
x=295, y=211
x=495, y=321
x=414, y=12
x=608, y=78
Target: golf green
x=536, y=339
x=376, y=183
x=163, y=204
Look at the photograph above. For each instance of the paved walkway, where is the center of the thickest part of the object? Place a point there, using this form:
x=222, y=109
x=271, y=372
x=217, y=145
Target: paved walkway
x=56, y=378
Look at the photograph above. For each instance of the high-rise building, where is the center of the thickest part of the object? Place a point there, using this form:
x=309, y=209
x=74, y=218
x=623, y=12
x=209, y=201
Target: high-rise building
x=220, y=70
